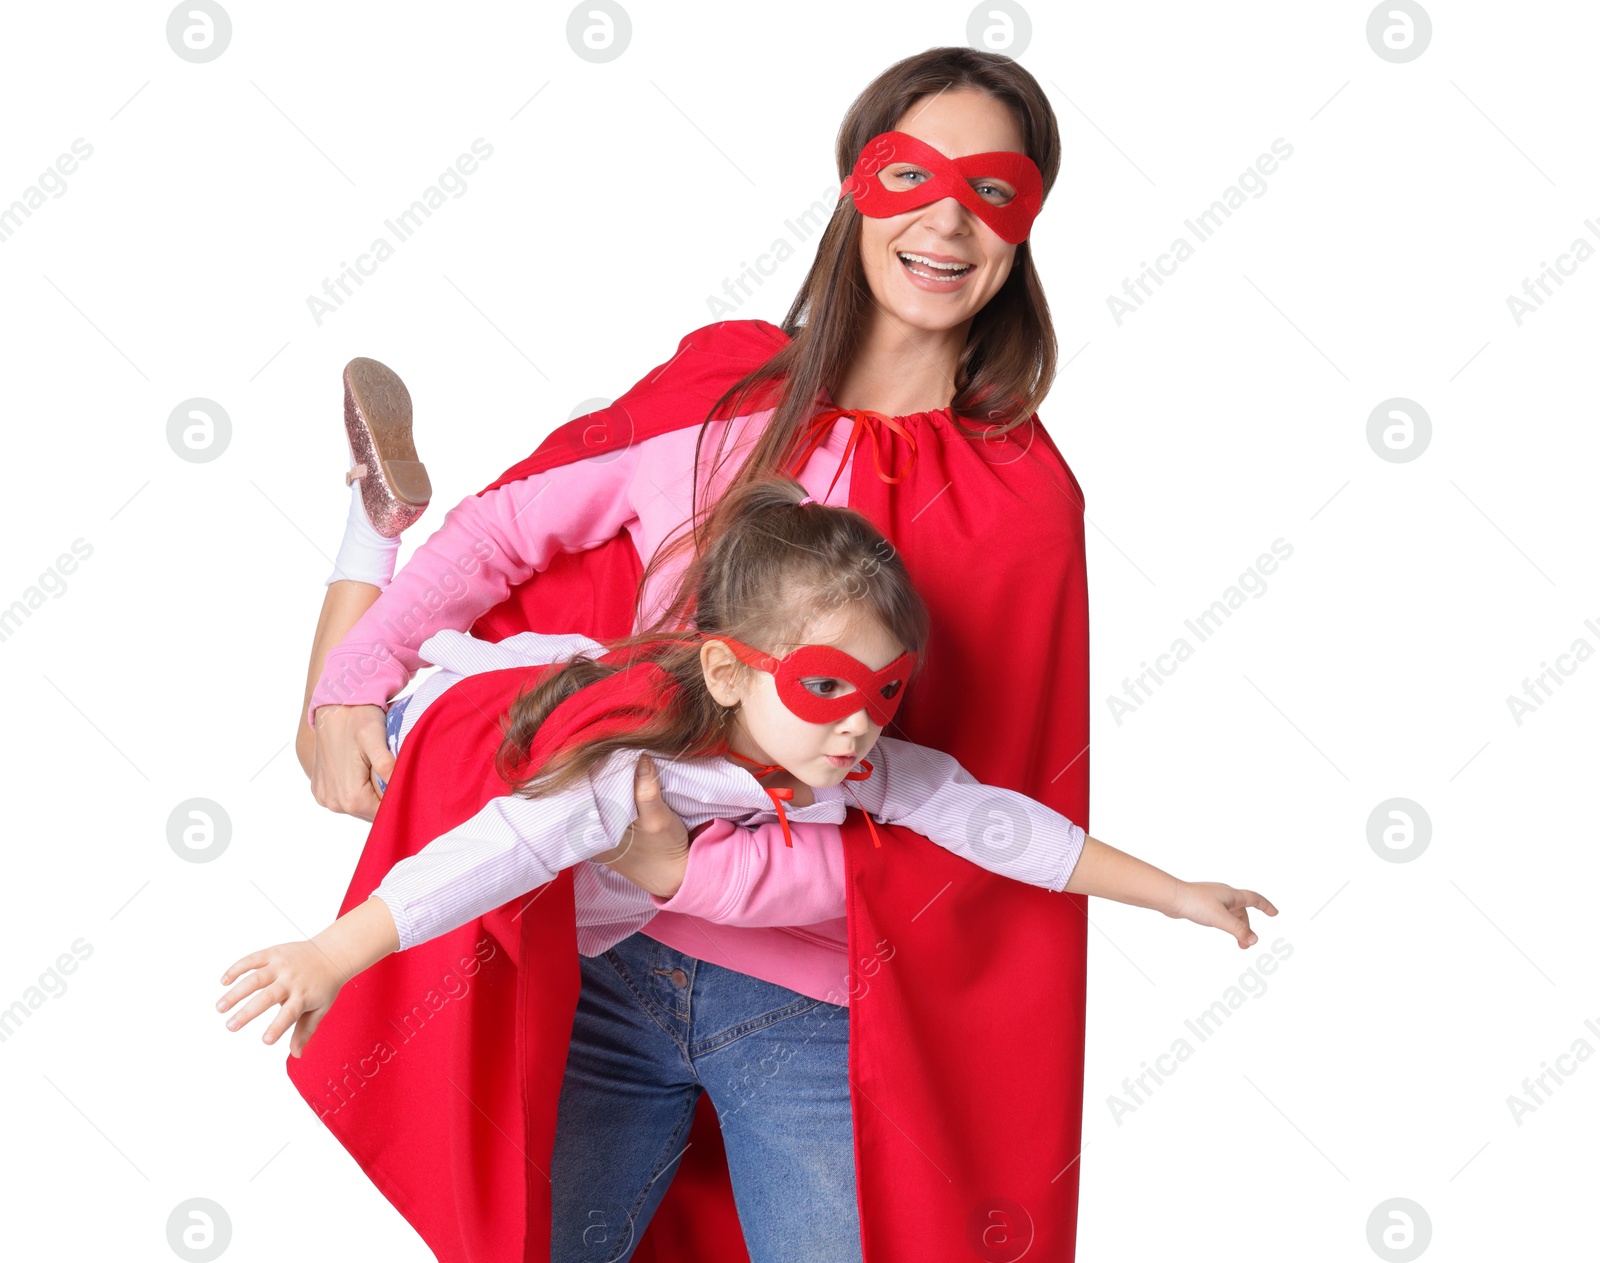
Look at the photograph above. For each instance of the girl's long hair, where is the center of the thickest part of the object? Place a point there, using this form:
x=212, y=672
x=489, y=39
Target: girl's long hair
x=1009, y=361
x=771, y=568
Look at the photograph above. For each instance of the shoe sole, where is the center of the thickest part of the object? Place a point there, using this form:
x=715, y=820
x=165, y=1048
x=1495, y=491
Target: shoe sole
x=377, y=422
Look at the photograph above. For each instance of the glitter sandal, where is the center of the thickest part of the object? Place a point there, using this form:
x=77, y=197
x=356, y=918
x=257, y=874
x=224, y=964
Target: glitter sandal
x=377, y=422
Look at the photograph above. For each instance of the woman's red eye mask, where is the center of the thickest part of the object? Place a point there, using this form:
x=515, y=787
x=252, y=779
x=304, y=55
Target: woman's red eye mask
x=876, y=692
x=947, y=177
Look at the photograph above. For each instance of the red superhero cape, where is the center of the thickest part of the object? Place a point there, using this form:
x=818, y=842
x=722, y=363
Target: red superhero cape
x=440, y=1067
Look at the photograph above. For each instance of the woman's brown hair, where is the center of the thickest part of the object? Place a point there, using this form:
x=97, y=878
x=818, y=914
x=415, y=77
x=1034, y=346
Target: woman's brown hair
x=1009, y=361
x=771, y=568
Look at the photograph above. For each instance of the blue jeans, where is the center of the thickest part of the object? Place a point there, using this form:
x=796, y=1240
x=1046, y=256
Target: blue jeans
x=654, y=1029
x=391, y=728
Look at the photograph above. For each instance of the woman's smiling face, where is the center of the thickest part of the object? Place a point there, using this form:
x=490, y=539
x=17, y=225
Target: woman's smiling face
x=956, y=123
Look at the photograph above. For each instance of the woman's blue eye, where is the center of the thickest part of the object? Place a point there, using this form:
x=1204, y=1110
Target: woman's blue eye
x=1005, y=194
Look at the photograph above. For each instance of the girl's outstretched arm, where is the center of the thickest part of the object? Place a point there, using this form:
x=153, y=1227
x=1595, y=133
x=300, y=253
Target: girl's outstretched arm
x=1013, y=835
x=1111, y=874
x=304, y=978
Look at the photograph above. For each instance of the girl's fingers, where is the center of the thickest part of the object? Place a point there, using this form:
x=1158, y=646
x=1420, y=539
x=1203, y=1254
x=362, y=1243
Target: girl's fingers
x=247, y=986
x=303, y=1030
x=263, y=1001
x=1238, y=926
x=253, y=961
x=287, y=1016
x=1250, y=899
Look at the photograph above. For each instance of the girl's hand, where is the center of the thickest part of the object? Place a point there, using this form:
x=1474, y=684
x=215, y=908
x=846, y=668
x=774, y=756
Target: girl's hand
x=655, y=852
x=299, y=977
x=1213, y=903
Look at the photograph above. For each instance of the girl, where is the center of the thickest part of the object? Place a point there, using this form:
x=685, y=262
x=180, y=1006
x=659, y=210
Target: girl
x=806, y=632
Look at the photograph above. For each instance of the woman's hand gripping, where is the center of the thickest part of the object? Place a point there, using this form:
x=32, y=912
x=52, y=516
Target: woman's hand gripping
x=351, y=750
x=654, y=853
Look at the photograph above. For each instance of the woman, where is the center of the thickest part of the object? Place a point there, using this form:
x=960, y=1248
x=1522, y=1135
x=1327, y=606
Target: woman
x=905, y=377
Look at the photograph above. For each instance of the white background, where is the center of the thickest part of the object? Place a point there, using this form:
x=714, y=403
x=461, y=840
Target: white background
x=1230, y=411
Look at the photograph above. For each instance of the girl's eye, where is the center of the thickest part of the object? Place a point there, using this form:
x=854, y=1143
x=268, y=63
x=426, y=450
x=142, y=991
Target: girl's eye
x=889, y=690
x=825, y=686
x=1002, y=194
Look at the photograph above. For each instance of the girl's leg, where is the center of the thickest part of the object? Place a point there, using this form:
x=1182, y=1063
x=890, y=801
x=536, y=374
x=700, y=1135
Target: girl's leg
x=776, y=1064
x=344, y=601
x=654, y=1029
x=627, y=1102
x=389, y=489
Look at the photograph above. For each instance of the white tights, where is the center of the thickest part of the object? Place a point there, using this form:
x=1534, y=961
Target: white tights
x=364, y=555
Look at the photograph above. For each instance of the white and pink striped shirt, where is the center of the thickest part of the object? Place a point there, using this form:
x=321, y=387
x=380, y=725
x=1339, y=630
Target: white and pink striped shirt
x=515, y=844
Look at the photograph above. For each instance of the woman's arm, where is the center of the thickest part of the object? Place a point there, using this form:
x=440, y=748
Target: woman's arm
x=727, y=873
x=486, y=545
x=744, y=875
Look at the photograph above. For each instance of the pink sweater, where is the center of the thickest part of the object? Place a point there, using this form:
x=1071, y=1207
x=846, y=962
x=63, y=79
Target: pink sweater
x=729, y=911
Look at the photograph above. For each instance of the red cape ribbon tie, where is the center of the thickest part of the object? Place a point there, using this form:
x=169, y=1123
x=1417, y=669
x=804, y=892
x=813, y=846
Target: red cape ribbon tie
x=784, y=795
x=877, y=426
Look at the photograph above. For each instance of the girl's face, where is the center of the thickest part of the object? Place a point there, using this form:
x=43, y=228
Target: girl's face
x=764, y=730
x=956, y=122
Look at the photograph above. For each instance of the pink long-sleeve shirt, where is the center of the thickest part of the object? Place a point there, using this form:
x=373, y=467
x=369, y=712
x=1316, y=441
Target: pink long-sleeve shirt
x=489, y=543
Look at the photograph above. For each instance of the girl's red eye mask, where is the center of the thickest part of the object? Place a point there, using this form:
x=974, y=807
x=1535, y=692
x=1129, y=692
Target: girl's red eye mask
x=947, y=177
x=876, y=692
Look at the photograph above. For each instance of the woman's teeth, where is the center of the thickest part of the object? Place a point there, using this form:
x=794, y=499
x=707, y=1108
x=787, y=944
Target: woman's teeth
x=934, y=271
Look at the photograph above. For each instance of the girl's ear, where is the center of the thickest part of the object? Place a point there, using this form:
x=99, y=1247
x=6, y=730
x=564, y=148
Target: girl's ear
x=724, y=679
